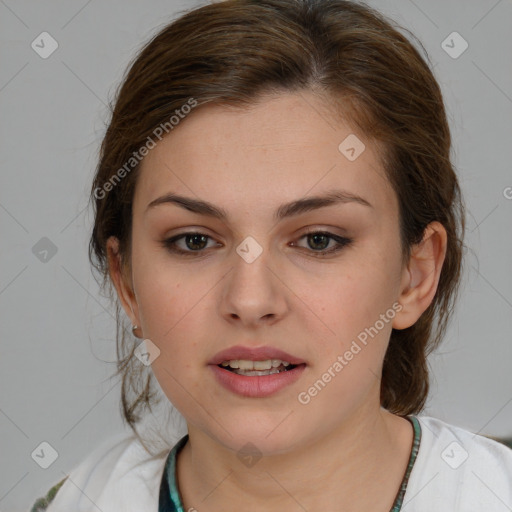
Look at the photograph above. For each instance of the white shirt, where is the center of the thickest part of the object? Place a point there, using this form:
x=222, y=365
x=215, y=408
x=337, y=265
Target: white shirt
x=455, y=470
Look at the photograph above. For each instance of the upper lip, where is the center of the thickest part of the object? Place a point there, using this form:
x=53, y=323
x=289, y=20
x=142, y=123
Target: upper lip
x=253, y=354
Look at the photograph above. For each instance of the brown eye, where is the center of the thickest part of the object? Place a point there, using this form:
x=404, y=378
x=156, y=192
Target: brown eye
x=194, y=242
x=318, y=241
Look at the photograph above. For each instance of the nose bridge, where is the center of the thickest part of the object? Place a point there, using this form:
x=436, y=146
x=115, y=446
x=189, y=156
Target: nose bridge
x=251, y=265
x=252, y=289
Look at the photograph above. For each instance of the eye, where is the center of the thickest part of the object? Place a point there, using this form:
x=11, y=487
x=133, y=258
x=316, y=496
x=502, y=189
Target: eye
x=195, y=241
x=319, y=240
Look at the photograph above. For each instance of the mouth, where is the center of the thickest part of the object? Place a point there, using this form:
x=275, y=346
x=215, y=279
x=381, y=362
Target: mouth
x=241, y=357
x=254, y=382
x=256, y=372
x=251, y=368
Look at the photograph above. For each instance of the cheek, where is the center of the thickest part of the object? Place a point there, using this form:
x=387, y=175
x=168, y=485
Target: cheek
x=348, y=357
x=341, y=305
x=171, y=312
x=174, y=307
x=164, y=294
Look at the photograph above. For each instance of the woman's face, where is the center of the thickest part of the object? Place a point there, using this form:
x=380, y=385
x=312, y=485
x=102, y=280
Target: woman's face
x=254, y=279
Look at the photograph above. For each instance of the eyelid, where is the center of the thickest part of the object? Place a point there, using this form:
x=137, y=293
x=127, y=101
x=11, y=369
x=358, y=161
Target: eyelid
x=341, y=242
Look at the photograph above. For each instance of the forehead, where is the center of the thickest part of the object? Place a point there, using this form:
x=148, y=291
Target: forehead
x=281, y=148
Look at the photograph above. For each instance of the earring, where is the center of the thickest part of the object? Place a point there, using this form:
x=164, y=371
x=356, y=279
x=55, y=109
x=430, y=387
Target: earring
x=134, y=327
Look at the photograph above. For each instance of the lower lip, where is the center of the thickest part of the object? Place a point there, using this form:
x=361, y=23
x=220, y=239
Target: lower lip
x=259, y=386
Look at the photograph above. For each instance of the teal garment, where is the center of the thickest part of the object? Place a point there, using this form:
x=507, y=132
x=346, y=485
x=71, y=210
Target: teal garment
x=42, y=503
x=397, y=506
x=170, y=499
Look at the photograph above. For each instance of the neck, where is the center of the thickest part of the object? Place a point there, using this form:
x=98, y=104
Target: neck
x=327, y=473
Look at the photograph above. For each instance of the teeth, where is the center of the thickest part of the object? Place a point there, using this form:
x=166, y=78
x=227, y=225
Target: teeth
x=254, y=373
x=245, y=364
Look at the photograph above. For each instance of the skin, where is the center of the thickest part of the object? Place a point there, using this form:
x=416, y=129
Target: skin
x=316, y=456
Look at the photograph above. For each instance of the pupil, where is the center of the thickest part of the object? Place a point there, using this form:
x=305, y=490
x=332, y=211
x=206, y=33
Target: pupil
x=194, y=237
x=316, y=237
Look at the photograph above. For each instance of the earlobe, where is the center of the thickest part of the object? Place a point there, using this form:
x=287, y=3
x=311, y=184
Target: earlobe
x=421, y=276
x=121, y=282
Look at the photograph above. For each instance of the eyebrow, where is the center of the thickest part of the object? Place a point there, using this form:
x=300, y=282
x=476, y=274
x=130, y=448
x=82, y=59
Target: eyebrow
x=291, y=209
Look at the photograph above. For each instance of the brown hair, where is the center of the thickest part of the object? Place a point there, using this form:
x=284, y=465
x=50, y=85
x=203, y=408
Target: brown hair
x=235, y=51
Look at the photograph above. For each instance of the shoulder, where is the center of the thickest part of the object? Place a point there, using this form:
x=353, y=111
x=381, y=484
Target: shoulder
x=459, y=445
x=120, y=474
x=458, y=470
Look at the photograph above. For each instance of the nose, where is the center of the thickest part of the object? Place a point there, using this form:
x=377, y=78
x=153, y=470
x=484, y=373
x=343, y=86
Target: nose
x=253, y=292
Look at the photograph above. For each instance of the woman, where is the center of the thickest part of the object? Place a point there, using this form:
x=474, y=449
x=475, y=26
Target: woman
x=276, y=208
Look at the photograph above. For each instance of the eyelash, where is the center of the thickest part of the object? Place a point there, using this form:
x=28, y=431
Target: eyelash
x=342, y=242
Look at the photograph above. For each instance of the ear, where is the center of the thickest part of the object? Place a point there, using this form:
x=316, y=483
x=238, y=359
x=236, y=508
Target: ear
x=122, y=281
x=421, y=276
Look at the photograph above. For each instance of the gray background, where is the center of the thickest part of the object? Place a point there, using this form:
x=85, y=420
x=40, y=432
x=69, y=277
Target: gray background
x=57, y=332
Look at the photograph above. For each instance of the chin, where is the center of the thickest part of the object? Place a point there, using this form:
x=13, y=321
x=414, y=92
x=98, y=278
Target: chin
x=263, y=437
